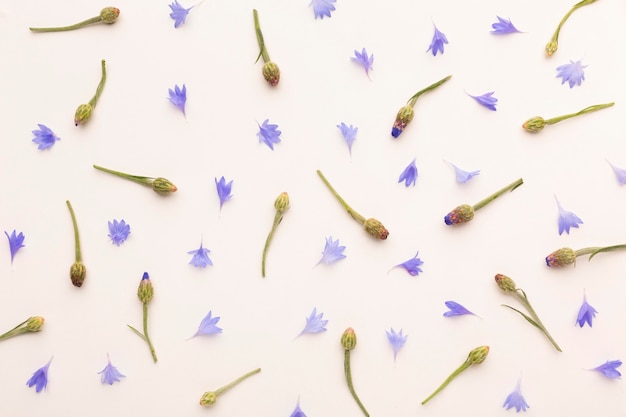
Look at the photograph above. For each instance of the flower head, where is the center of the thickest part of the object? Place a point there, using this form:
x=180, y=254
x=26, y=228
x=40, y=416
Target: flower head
x=178, y=97
x=332, y=251
x=297, y=412
x=403, y=118
x=574, y=73
x=349, y=134
x=439, y=39
x=208, y=326
x=620, y=173
x=15, y=243
x=412, y=266
x=515, y=399
x=110, y=374
x=461, y=214
x=567, y=219
x=463, y=176
x=118, y=231
x=44, y=137
x=409, y=175
x=456, y=309
x=223, y=190
x=364, y=60
x=40, y=377
x=322, y=8
x=561, y=257
x=609, y=369
x=268, y=134
x=200, y=257
x=314, y=323
x=503, y=27
x=179, y=13
x=486, y=100
x=586, y=313
x=397, y=341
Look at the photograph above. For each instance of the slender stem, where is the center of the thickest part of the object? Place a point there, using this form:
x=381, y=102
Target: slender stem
x=78, y=254
x=555, y=36
x=482, y=203
x=413, y=99
x=91, y=21
x=356, y=216
x=145, y=332
x=460, y=369
x=136, y=178
x=259, y=36
x=348, y=372
x=103, y=80
x=586, y=251
x=236, y=381
x=14, y=331
x=522, y=298
x=596, y=251
x=278, y=217
x=583, y=111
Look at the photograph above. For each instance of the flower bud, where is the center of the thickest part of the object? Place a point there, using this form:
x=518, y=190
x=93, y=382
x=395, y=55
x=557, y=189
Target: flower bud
x=109, y=14
x=561, y=257
x=83, y=113
x=34, y=324
x=163, y=186
x=348, y=339
x=534, y=124
x=551, y=47
x=505, y=283
x=271, y=73
x=403, y=118
x=477, y=355
x=281, y=203
x=376, y=229
x=77, y=273
x=208, y=399
x=462, y=214
x=145, y=292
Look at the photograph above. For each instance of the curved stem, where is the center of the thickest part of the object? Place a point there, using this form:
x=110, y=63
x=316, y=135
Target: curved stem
x=482, y=203
x=259, y=37
x=136, y=178
x=77, y=252
x=522, y=298
x=555, y=36
x=145, y=332
x=278, y=217
x=413, y=99
x=348, y=372
x=91, y=21
x=583, y=111
x=458, y=370
x=356, y=216
x=103, y=80
x=596, y=251
x=14, y=331
x=236, y=381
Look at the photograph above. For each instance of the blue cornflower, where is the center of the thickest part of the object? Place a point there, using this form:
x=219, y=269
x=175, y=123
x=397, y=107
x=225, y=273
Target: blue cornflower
x=314, y=323
x=15, y=243
x=515, y=399
x=223, y=190
x=463, y=176
x=586, y=313
x=208, y=326
x=439, y=39
x=268, y=134
x=118, y=231
x=412, y=266
x=200, y=257
x=364, y=60
x=456, y=309
x=40, y=377
x=332, y=251
x=573, y=73
x=110, y=374
x=503, y=27
x=322, y=8
x=297, y=412
x=179, y=13
x=609, y=369
x=409, y=175
x=486, y=100
x=620, y=173
x=567, y=219
x=397, y=340
x=178, y=97
x=349, y=134
x=44, y=137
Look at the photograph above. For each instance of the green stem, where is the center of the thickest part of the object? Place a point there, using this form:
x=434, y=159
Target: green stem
x=356, y=216
x=460, y=369
x=103, y=80
x=91, y=21
x=77, y=252
x=236, y=381
x=14, y=331
x=555, y=36
x=482, y=203
x=413, y=99
x=348, y=372
x=597, y=250
x=145, y=332
x=583, y=111
x=147, y=181
x=522, y=298
x=259, y=37
x=278, y=217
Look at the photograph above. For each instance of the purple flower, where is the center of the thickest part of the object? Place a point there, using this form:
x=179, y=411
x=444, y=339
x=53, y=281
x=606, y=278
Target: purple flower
x=439, y=39
x=586, y=313
x=179, y=13
x=332, y=251
x=364, y=60
x=118, y=231
x=223, y=190
x=200, y=257
x=110, y=374
x=567, y=219
x=268, y=134
x=178, y=97
x=349, y=134
x=609, y=369
x=573, y=73
x=409, y=175
x=486, y=100
x=208, y=326
x=397, y=340
x=412, y=266
x=15, y=243
x=322, y=8
x=463, y=176
x=40, y=377
x=515, y=399
x=314, y=323
x=620, y=173
x=456, y=309
x=44, y=137
x=503, y=27
x=297, y=412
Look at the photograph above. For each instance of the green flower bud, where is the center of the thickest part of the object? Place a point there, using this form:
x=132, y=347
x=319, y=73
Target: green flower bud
x=208, y=399
x=109, y=14
x=271, y=73
x=376, y=229
x=145, y=292
x=561, y=257
x=505, y=283
x=77, y=273
x=534, y=124
x=83, y=113
x=461, y=214
x=477, y=355
x=348, y=339
x=35, y=324
x=281, y=203
x=163, y=186
x=551, y=47
x=403, y=118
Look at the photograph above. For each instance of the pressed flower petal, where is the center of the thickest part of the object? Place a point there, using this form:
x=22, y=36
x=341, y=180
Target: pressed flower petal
x=609, y=369
x=620, y=174
x=268, y=134
x=349, y=134
x=412, y=266
x=486, y=100
x=40, y=378
x=332, y=251
x=515, y=399
x=456, y=309
x=110, y=373
x=44, y=137
x=178, y=97
x=200, y=257
x=567, y=219
x=463, y=176
x=586, y=313
x=16, y=242
x=397, y=341
x=314, y=323
x=118, y=231
x=364, y=60
x=439, y=39
x=409, y=175
x=573, y=73
x=208, y=326
x=503, y=27
x=179, y=13
x=297, y=412
x=223, y=190
x=322, y=8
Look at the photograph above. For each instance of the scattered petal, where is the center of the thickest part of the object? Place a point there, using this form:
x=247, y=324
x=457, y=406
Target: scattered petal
x=364, y=60
x=397, y=340
x=322, y=8
x=297, y=412
x=412, y=266
x=609, y=369
x=349, y=134
x=314, y=323
x=573, y=73
x=586, y=313
x=268, y=134
x=15, y=243
x=503, y=27
x=223, y=190
x=463, y=176
x=567, y=219
x=179, y=13
x=208, y=326
x=44, y=137
x=486, y=100
x=620, y=173
x=200, y=257
x=178, y=97
x=409, y=175
x=332, y=251
x=515, y=399
x=110, y=374
x=456, y=309
x=118, y=231
x=439, y=39
x=40, y=377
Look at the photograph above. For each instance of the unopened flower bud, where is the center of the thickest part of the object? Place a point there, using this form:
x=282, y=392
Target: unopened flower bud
x=109, y=14
x=462, y=214
x=348, y=339
x=505, y=283
x=163, y=186
x=478, y=355
x=77, y=273
x=376, y=229
x=35, y=324
x=551, y=47
x=145, y=292
x=208, y=399
x=282, y=202
x=271, y=73
x=403, y=118
x=83, y=113
x=534, y=124
x=561, y=257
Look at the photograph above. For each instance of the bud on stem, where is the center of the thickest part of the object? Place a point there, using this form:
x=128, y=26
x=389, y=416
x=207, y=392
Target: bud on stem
x=159, y=185
x=553, y=45
x=107, y=15
x=348, y=342
x=537, y=123
x=32, y=324
x=145, y=292
x=567, y=256
x=84, y=111
x=78, y=270
x=281, y=204
x=210, y=397
x=270, y=70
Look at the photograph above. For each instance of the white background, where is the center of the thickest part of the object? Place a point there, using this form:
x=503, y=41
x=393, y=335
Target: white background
x=135, y=129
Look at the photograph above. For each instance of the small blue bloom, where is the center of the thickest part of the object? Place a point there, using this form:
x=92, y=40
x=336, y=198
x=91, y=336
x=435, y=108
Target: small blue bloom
x=567, y=219
x=456, y=309
x=297, y=412
x=208, y=326
x=397, y=340
x=179, y=13
x=118, y=231
x=314, y=323
x=44, y=137
x=110, y=374
x=409, y=175
x=200, y=257
x=178, y=97
x=268, y=134
x=486, y=100
x=332, y=251
x=322, y=8
x=515, y=399
x=15, y=243
x=349, y=134
x=620, y=173
x=573, y=73
x=364, y=60
x=463, y=176
x=223, y=190
x=503, y=27
x=586, y=313
x=40, y=377
x=439, y=39
x=609, y=369
x=412, y=266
